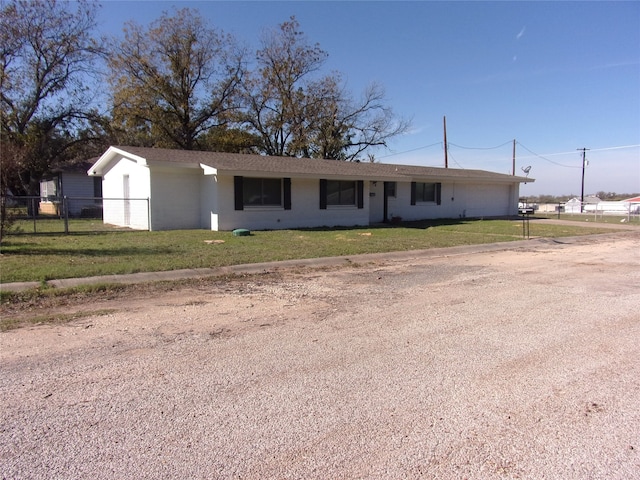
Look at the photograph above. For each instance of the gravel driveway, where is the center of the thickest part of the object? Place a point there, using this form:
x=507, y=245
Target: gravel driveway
x=521, y=363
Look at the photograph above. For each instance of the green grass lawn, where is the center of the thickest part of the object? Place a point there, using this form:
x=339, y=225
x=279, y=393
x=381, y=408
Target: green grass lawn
x=45, y=256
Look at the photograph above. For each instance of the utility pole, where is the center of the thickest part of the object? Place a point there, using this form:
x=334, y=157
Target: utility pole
x=584, y=164
x=446, y=154
x=514, y=157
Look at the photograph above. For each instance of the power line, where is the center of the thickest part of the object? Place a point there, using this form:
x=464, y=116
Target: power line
x=614, y=148
x=456, y=162
x=549, y=154
x=412, y=150
x=543, y=157
x=481, y=148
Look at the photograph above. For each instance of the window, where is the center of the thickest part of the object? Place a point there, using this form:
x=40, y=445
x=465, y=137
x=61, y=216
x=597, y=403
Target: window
x=262, y=192
x=390, y=189
x=422, y=192
x=425, y=192
x=341, y=193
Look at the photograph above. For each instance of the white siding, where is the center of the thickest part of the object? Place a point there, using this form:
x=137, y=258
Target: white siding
x=457, y=201
x=112, y=191
x=209, y=202
x=305, y=209
x=480, y=200
x=192, y=197
x=175, y=198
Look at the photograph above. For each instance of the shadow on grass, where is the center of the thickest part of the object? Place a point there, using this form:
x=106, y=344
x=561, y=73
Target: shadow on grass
x=92, y=252
x=81, y=233
x=414, y=224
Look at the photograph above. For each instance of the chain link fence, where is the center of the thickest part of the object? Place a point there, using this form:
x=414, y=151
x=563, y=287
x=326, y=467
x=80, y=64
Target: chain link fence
x=35, y=214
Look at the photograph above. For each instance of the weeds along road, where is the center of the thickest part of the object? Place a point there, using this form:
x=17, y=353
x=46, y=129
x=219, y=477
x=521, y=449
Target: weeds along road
x=518, y=363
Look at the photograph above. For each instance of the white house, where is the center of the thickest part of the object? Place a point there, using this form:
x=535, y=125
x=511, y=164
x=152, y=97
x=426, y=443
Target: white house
x=575, y=205
x=629, y=206
x=162, y=189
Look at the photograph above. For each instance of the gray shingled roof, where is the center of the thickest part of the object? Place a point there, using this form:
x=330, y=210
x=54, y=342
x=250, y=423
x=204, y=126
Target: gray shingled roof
x=243, y=164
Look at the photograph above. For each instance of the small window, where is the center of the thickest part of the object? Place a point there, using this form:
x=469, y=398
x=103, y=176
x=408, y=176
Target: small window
x=390, y=188
x=262, y=192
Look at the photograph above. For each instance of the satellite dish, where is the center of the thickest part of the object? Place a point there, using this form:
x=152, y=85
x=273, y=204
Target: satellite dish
x=526, y=170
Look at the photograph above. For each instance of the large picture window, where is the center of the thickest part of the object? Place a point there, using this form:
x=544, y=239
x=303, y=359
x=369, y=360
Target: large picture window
x=262, y=192
x=258, y=192
x=341, y=193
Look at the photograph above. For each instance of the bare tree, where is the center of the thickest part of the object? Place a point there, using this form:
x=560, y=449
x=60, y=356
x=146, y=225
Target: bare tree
x=344, y=128
x=295, y=113
x=276, y=94
x=175, y=81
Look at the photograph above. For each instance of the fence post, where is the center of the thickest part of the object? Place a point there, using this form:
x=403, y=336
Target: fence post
x=65, y=208
x=33, y=212
x=149, y=213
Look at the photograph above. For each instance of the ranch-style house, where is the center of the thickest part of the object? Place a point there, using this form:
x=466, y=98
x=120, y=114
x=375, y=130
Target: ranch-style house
x=164, y=189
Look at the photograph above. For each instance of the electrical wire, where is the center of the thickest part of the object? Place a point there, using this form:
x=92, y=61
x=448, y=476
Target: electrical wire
x=481, y=148
x=550, y=161
x=543, y=157
x=412, y=150
x=454, y=160
x=614, y=148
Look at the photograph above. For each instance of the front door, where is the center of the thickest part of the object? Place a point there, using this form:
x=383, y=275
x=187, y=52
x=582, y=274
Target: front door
x=379, y=193
x=376, y=202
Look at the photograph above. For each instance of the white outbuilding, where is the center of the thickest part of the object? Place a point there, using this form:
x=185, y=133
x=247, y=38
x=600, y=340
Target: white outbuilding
x=163, y=189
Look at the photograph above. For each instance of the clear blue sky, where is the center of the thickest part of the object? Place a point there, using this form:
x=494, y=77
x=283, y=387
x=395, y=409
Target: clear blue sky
x=554, y=76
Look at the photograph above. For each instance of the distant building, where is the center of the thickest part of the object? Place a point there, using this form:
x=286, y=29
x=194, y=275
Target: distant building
x=593, y=204
x=575, y=205
x=70, y=181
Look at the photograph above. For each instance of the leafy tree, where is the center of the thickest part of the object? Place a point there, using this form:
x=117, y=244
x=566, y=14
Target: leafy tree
x=295, y=114
x=229, y=139
x=173, y=82
x=47, y=51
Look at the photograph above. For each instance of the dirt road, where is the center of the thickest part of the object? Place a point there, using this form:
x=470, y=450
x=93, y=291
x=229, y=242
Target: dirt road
x=509, y=364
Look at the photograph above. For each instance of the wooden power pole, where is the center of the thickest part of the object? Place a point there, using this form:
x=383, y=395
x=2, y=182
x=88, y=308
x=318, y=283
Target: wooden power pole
x=584, y=164
x=446, y=147
x=513, y=158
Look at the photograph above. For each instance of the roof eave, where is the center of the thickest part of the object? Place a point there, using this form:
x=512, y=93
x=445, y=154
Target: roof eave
x=107, y=157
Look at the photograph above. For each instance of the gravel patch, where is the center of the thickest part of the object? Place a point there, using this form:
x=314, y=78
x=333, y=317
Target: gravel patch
x=509, y=364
